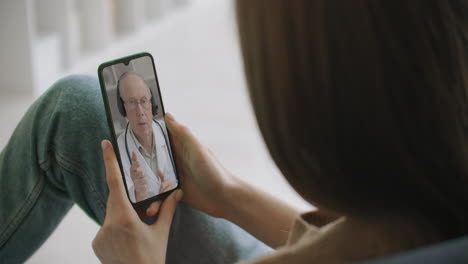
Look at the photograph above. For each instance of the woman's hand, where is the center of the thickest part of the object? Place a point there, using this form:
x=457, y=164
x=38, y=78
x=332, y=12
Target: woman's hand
x=205, y=182
x=209, y=187
x=124, y=238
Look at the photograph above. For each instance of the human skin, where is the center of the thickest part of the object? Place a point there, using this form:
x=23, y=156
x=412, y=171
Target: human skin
x=139, y=179
x=207, y=186
x=133, y=88
x=213, y=189
x=123, y=237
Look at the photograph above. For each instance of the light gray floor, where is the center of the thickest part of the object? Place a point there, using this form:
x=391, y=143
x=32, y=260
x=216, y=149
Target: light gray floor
x=200, y=73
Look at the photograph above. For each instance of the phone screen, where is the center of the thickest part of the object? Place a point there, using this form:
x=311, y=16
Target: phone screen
x=135, y=114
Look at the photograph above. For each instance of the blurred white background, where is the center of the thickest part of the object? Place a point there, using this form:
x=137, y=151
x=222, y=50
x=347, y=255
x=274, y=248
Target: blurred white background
x=195, y=46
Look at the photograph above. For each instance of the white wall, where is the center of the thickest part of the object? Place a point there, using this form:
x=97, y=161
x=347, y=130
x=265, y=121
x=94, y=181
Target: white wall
x=200, y=72
x=43, y=40
x=16, y=45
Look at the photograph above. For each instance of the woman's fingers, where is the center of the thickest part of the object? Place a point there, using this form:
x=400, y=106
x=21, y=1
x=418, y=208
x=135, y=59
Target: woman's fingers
x=180, y=131
x=117, y=202
x=113, y=175
x=166, y=212
x=153, y=208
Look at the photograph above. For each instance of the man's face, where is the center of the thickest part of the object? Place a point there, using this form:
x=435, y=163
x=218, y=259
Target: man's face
x=137, y=103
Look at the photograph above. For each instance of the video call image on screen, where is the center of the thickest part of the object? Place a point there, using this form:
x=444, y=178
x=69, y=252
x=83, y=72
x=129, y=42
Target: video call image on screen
x=141, y=133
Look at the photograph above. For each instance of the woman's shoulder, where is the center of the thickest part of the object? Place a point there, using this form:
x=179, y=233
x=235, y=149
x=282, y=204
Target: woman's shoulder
x=303, y=243
x=345, y=240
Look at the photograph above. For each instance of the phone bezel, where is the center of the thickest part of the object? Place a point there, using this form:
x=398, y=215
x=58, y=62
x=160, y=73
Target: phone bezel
x=110, y=123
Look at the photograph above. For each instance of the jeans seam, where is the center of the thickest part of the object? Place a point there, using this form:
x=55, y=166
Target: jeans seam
x=73, y=167
x=23, y=211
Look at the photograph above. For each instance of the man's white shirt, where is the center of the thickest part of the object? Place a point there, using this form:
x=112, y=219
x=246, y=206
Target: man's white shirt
x=160, y=159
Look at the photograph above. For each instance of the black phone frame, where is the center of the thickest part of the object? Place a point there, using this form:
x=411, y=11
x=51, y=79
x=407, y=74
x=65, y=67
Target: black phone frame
x=125, y=60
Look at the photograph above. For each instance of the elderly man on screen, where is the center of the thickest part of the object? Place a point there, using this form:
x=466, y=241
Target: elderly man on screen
x=144, y=150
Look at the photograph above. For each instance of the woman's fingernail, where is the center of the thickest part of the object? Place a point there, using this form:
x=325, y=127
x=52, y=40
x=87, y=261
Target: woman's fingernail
x=104, y=144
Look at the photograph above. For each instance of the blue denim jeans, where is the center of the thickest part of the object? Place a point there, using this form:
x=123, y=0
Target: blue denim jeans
x=54, y=160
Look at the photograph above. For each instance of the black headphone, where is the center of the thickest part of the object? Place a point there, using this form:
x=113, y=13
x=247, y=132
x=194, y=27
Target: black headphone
x=120, y=102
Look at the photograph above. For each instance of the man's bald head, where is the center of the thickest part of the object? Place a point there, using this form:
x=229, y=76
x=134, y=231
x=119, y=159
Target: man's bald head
x=131, y=80
x=136, y=97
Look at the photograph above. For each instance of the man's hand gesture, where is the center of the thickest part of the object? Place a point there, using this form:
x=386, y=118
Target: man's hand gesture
x=166, y=185
x=139, y=179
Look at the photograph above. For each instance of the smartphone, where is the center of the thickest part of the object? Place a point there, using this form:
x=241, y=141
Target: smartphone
x=135, y=115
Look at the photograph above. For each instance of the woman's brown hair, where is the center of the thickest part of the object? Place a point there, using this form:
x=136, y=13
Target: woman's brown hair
x=363, y=104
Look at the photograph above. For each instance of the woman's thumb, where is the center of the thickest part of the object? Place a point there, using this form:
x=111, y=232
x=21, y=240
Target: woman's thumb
x=167, y=210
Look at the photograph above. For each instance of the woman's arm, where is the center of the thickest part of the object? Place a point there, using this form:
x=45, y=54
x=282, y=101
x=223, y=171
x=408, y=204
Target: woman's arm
x=209, y=187
x=264, y=216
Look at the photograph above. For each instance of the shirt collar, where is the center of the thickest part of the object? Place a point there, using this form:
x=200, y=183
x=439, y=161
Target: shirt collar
x=140, y=147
